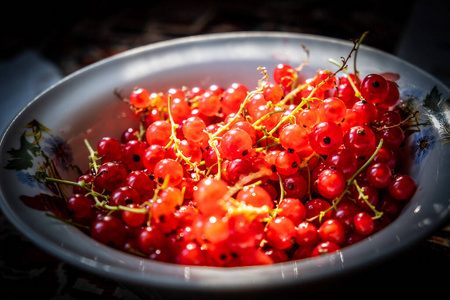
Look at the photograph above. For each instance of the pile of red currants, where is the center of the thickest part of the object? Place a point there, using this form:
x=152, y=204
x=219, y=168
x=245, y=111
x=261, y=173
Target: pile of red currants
x=232, y=177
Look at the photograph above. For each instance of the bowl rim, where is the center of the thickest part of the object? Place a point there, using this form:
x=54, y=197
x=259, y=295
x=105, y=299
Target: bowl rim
x=137, y=278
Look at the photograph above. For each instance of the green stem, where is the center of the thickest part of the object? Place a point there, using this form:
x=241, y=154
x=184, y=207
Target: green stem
x=92, y=156
x=358, y=43
x=350, y=180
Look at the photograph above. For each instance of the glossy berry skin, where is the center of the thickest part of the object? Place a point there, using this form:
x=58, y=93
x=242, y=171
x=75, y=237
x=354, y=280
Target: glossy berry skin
x=295, y=186
x=141, y=182
x=193, y=129
x=325, y=137
x=255, y=196
x=306, y=234
x=392, y=96
x=374, y=88
x=313, y=209
x=363, y=223
x=236, y=143
x=366, y=111
x=131, y=218
x=333, y=109
x=108, y=230
x=129, y=134
x=152, y=155
x=402, y=187
x=158, y=133
x=369, y=191
x=379, y=175
x=284, y=75
x=124, y=195
x=208, y=195
x=324, y=248
x=280, y=233
x=233, y=97
x=330, y=183
x=209, y=104
x=133, y=153
x=110, y=176
x=392, y=137
x=79, y=205
x=360, y=140
x=332, y=230
x=287, y=163
x=293, y=209
x=109, y=149
x=272, y=92
x=168, y=169
x=140, y=98
x=343, y=160
x=293, y=137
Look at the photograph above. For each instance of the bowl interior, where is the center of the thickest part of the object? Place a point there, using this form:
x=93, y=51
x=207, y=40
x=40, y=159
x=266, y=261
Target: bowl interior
x=84, y=106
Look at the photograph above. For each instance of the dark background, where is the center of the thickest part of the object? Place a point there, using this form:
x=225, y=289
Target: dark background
x=74, y=34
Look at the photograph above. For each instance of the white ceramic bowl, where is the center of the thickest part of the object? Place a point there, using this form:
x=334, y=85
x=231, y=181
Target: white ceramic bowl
x=83, y=106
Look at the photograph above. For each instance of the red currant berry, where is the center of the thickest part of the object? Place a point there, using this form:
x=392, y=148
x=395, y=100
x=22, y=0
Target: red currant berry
x=79, y=205
x=330, y=183
x=360, y=140
x=133, y=152
x=170, y=170
x=363, y=223
x=110, y=176
x=293, y=137
x=333, y=110
x=325, y=137
x=108, y=230
x=332, y=230
x=273, y=92
x=158, y=133
x=284, y=75
x=392, y=96
x=374, y=88
x=140, y=98
x=109, y=149
x=379, y=175
x=344, y=161
x=402, y=187
x=306, y=234
x=324, y=248
x=236, y=143
x=133, y=218
x=287, y=163
x=280, y=233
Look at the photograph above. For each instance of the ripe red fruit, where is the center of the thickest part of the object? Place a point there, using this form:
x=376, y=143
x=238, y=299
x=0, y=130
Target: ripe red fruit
x=170, y=170
x=402, y=187
x=280, y=233
x=363, y=223
x=360, y=140
x=140, y=98
x=332, y=230
x=236, y=143
x=108, y=230
x=324, y=248
x=325, y=137
x=374, y=88
x=330, y=183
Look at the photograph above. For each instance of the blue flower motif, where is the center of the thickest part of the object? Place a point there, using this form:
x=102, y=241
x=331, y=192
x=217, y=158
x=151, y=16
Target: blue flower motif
x=29, y=180
x=26, y=178
x=423, y=142
x=59, y=151
x=413, y=94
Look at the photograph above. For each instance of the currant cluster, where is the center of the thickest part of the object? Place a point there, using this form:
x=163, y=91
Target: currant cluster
x=237, y=177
